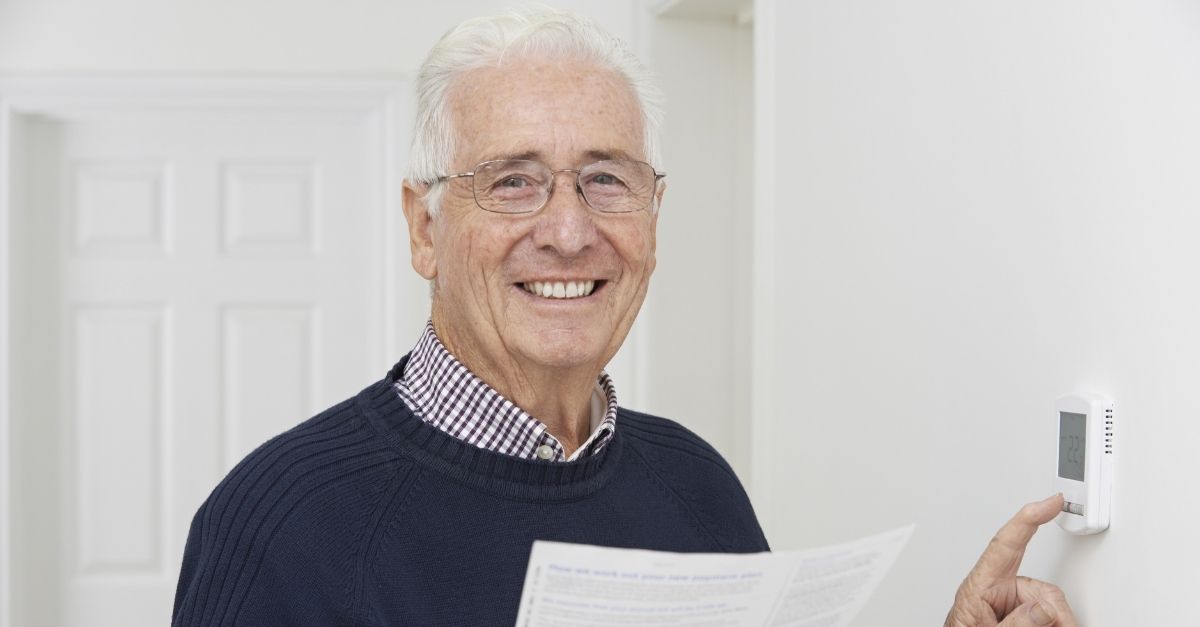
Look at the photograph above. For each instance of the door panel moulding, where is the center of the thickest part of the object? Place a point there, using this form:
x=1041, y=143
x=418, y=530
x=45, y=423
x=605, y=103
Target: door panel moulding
x=383, y=101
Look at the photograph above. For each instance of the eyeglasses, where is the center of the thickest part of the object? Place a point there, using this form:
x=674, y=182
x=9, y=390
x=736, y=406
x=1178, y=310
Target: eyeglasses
x=524, y=186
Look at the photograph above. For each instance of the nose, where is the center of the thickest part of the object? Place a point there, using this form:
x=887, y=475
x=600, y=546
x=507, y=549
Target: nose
x=566, y=224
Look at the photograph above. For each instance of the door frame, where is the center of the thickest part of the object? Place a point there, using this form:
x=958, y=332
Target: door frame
x=384, y=101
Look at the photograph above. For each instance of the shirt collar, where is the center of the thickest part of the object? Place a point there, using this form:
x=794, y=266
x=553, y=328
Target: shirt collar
x=445, y=394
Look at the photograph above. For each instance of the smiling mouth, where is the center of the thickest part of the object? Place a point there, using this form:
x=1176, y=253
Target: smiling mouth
x=561, y=289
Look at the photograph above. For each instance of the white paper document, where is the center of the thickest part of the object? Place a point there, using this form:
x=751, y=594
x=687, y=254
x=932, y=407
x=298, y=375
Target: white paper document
x=581, y=585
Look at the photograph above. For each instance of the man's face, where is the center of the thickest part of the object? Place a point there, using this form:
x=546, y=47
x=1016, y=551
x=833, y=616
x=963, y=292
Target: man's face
x=566, y=116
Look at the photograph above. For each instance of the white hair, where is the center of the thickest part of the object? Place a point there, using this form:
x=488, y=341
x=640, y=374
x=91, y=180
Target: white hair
x=540, y=32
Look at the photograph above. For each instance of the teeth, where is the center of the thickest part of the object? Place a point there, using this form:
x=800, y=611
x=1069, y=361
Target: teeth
x=560, y=289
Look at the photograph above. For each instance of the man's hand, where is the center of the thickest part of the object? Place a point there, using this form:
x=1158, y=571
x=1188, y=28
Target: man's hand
x=993, y=592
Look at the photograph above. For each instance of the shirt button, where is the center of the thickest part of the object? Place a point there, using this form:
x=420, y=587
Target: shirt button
x=545, y=452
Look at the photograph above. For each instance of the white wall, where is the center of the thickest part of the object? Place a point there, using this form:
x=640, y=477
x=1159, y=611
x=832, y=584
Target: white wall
x=243, y=36
x=979, y=207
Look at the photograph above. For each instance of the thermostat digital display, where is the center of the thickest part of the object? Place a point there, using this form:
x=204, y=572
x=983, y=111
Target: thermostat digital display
x=1072, y=444
x=1085, y=462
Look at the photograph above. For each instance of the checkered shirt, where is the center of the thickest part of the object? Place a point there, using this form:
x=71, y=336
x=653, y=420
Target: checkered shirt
x=443, y=393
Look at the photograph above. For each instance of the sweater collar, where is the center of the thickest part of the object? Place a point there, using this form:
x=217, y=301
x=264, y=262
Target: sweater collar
x=503, y=475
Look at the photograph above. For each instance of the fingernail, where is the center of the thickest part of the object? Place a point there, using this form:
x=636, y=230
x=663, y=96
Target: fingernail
x=1041, y=614
x=1052, y=497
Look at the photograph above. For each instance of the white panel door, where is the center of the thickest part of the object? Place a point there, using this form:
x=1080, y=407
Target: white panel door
x=188, y=283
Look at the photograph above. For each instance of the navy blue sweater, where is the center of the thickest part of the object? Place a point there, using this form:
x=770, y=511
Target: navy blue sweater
x=365, y=515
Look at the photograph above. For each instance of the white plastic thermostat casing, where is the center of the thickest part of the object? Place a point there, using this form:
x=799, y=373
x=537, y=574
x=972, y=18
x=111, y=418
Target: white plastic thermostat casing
x=1085, y=457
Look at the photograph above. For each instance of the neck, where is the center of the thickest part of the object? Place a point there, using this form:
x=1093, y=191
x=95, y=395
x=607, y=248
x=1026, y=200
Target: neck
x=559, y=397
x=562, y=403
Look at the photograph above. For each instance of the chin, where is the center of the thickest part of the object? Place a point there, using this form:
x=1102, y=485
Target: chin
x=565, y=349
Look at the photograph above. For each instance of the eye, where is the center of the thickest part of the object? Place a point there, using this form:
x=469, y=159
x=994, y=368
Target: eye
x=513, y=182
x=510, y=186
x=604, y=179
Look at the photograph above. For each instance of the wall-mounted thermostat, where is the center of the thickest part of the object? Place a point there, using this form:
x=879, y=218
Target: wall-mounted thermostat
x=1085, y=462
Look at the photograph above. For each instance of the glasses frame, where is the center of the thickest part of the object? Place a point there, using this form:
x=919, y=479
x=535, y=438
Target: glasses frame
x=658, y=176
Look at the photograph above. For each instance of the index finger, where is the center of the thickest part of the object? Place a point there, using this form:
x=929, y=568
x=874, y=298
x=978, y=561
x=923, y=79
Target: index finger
x=1003, y=555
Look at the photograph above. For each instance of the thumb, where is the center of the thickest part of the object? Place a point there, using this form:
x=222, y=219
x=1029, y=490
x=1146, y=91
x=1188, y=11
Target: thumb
x=1032, y=614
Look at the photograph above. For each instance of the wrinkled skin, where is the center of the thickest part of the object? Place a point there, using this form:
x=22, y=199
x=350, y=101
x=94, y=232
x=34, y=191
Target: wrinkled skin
x=994, y=595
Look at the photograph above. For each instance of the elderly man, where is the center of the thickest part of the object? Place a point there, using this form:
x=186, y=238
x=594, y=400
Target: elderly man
x=532, y=205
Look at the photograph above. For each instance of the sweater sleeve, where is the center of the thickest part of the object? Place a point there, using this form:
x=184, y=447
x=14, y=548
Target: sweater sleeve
x=187, y=572
x=278, y=541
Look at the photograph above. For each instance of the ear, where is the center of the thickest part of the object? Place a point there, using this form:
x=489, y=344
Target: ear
x=658, y=198
x=420, y=230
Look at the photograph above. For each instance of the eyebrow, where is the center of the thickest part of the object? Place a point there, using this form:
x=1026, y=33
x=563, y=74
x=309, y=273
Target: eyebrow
x=529, y=155
x=605, y=155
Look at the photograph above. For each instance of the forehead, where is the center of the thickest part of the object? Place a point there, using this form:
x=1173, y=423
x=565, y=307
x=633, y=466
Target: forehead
x=560, y=112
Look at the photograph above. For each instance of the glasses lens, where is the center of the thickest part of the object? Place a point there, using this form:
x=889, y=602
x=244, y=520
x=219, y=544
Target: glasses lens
x=511, y=186
x=617, y=186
